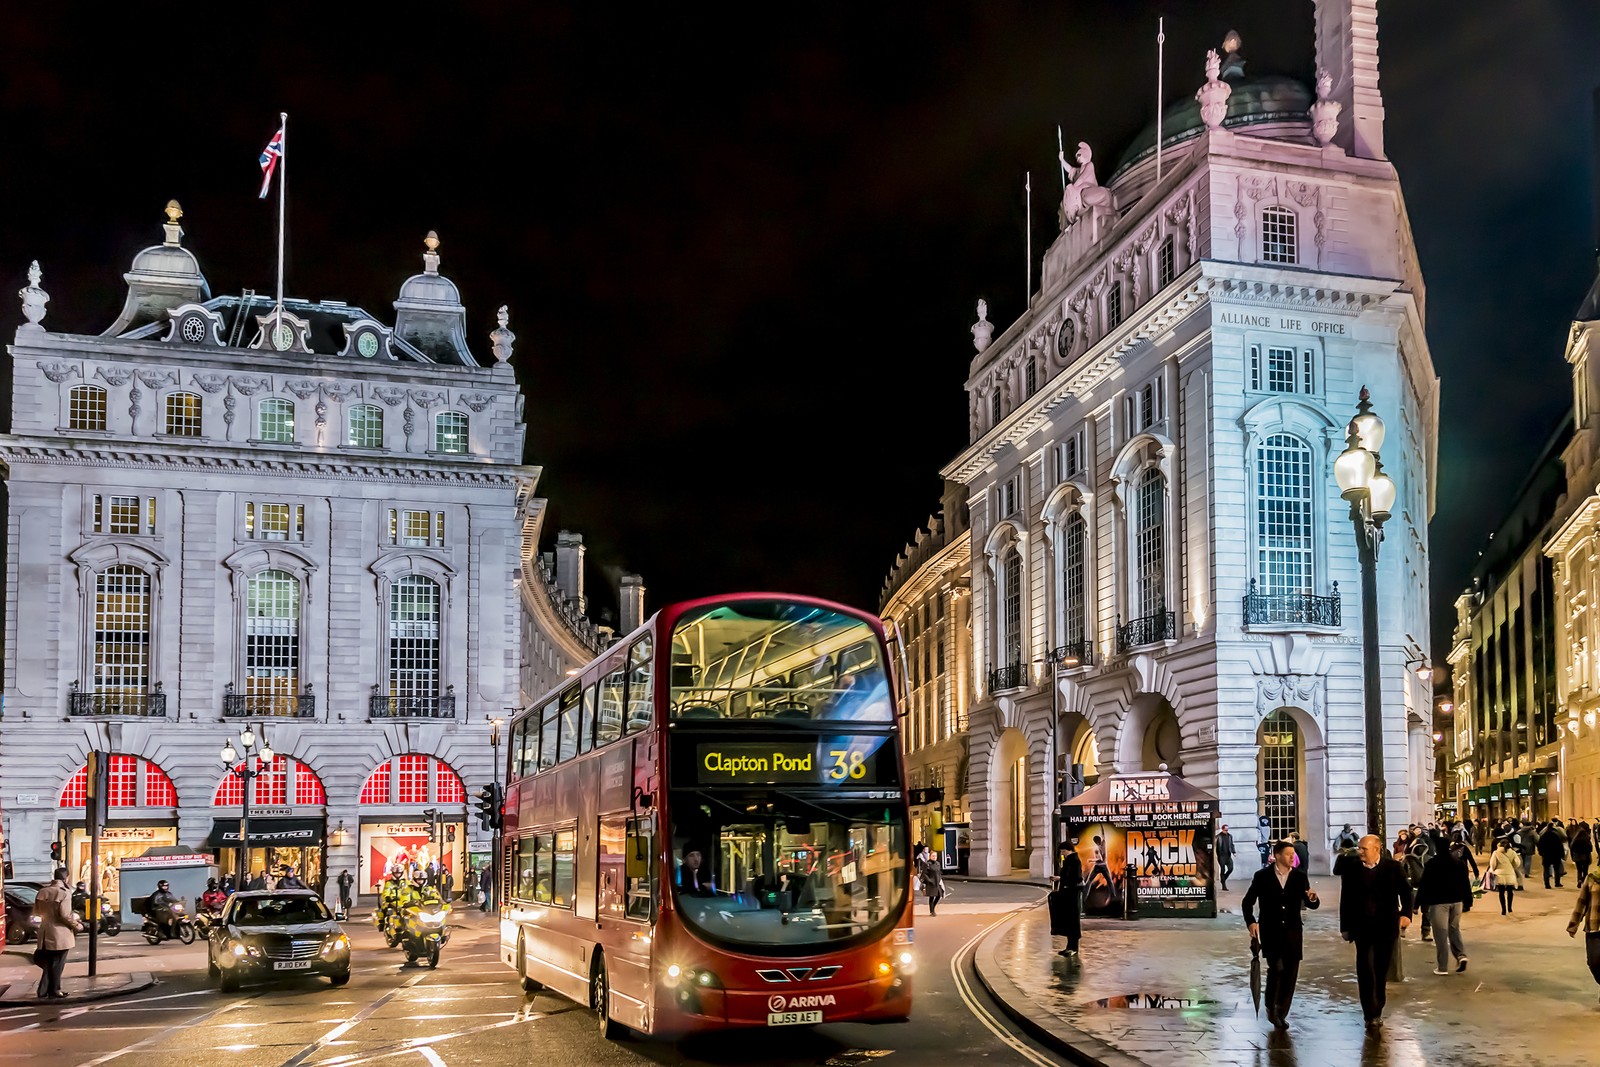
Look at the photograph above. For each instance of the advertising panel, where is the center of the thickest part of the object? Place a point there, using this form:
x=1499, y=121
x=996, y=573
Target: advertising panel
x=1154, y=828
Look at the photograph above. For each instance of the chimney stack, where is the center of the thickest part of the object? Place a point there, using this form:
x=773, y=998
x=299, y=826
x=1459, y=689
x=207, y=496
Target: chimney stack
x=569, y=568
x=632, y=597
x=1347, y=48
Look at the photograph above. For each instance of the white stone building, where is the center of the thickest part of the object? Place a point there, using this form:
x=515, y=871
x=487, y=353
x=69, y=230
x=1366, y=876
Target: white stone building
x=321, y=527
x=1156, y=531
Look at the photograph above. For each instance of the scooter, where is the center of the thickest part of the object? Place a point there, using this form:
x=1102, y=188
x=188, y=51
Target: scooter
x=424, y=931
x=180, y=929
x=110, y=918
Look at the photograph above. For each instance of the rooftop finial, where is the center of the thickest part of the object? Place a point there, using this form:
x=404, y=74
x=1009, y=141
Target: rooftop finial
x=174, y=231
x=502, y=339
x=33, y=298
x=983, y=329
x=1213, y=95
x=430, y=258
x=1325, y=112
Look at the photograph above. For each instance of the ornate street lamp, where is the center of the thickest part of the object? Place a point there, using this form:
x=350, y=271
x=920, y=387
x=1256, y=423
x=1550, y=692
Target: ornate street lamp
x=1371, y=493
x=237, y=762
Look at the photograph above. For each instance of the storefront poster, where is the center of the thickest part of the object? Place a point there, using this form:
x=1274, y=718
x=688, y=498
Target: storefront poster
x=401, y=843
x=1162, y=827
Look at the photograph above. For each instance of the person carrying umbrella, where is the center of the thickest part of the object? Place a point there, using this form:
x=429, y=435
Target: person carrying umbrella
x=1066, y=900
x=1280, y=891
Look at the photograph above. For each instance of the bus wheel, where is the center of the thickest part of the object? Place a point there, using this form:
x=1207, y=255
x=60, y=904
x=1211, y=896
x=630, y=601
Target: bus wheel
x=600, y=1000
x=528, y=984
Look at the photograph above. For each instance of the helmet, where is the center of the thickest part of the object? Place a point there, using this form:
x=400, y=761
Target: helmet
x=211, y=883
x=162, y=884
x=418, y=878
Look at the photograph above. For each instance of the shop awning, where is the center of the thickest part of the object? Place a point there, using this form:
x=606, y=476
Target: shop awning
x=268, y=833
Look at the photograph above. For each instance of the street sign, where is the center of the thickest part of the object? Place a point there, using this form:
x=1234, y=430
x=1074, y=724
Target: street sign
x=934, y=795
x=27, y=798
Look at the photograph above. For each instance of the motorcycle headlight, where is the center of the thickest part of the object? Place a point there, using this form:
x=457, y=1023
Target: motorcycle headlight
x=432, y=918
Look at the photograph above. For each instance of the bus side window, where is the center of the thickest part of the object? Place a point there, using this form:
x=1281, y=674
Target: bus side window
x=611, y=695
x=586, y=730
x=529, y=757
x=544, y=868
x=566, y=847
x=570, y=701
x=641, y=870
x=639, y=688
x=613, y=867
x=551, y=717
x=527, y=872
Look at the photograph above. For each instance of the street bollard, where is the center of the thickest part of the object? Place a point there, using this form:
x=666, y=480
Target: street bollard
x=1130, y=892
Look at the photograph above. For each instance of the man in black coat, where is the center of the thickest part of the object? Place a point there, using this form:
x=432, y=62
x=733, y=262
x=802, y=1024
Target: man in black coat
x=1224, y=855
x=1552, y=850
x=1280, y=890
x=1374, y=906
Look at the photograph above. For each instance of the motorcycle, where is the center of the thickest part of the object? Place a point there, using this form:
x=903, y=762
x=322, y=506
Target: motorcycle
x=181, y=928
x=424, y=931
x=110, y=918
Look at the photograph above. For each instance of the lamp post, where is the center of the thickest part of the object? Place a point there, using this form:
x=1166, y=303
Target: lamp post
x=1055, y=659
x=238, y=763
x=1359, y=472
x=495, y=864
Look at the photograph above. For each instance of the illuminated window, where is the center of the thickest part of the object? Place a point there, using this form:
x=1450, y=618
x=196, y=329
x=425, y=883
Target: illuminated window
x=1284, y=469
x=366, y=426
x=122, y=632
x=307, y=786
x=1277, y=236
x=275, y=421
x=1010, y=606
x=376, y=789
x=449, y=787
x=159, y=791
x=413, y=780
x=418, y=779
x=272, y=642
x=183, y=415
x=450, y=432
x=122, y=514
x=123, y=788
x=416, y=528
x=1071, y=594
x=1019, y=803
x=124, y=773
x=414, y=637
x=274, y=522
x=86, y=408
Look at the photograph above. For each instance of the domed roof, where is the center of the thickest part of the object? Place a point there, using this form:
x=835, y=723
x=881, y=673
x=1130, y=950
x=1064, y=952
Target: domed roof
x=1255, y=101
x=430, y=288
x=170, y=260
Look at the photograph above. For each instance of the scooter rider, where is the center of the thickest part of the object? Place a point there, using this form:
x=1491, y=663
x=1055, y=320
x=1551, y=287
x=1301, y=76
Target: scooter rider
x=160, y=908
x=213, y=898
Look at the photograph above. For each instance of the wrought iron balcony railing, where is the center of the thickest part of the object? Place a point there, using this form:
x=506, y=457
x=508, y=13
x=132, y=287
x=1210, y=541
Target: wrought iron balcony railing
x=442, y=706
x=1079, y=653
x=268, y=705
x=128, y=703
x=1012, y=677
x=1149, y=630
x=1292, y=609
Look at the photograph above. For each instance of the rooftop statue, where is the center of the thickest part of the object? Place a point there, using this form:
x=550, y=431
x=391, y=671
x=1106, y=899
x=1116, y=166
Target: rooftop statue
x=983, y=329
x=1083, y=193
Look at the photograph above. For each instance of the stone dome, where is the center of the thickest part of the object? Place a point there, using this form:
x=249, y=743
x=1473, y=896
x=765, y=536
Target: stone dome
x=429, y=289
x=1264, y=100
x=172, y=261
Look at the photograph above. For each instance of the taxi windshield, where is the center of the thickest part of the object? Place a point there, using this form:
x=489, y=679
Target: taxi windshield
x=779, y=660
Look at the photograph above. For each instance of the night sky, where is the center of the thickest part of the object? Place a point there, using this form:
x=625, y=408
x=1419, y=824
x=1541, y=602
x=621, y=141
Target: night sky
x=741, y=246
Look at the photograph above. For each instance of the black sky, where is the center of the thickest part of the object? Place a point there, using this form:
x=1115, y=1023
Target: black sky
x=741, y=244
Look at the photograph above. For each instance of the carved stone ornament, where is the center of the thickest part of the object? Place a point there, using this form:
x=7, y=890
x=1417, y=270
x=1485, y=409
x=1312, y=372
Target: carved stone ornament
x=502, y=339
x=33, y=299
x=1213, y=95
x=1083, y=194
x=301, y=388
x=156, y=379
x=1274, y=691
x=59, y=372
x=210, y=383
x=341, y=391
x=983, y=329
x=391, y=397
x=1325, y=112
x=425, y=399
x=117, y=376
x=477, y=401
x=245, y=385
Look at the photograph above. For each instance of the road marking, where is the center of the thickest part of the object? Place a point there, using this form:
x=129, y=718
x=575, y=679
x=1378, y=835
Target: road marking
x=431, y=1056
x=979, y=1011
x=153, y=1038
x=338, y=1031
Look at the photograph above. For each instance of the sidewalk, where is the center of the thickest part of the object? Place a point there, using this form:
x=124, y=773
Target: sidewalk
x=18, y=987
x=1176, y=992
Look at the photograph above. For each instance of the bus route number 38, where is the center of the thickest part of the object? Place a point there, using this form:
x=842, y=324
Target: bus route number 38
x=848, y=763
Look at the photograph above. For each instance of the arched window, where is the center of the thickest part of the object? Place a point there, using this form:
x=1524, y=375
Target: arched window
x=122, y=639
x=450, y=432
x=286, y=781
x=1278, y=236
x=133, y=782
x=275, y=421
x=183, y=415
x=272, y=644
x=1010, y=575
x=994, y=407
x=366, y=426
x=1070, y=594
x=413, y=778
x=414, y=638
x=86, y=408
x=1149, y=544
x=1279, y=773
x=1284, y=560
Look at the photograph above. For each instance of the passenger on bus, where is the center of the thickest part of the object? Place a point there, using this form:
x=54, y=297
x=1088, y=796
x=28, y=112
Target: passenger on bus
x=693, y=880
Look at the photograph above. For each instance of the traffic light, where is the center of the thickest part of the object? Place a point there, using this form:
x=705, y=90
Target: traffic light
x=55, y=852
x=488, y=801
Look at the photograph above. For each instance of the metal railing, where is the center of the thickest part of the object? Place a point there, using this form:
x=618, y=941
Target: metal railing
x=268, y=705
x=126, y=703
x=1148, y=630
x=442, y=706
x=1292, y=609
x=1079, y=653
x=1012, y=677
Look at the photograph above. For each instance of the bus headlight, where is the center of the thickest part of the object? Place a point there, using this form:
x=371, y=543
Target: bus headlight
x=907, y=963
x=675, y=976
x=674, y=972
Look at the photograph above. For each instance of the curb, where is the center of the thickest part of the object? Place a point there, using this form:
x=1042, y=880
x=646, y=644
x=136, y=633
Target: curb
x=137, y=982
x=1055, y=1034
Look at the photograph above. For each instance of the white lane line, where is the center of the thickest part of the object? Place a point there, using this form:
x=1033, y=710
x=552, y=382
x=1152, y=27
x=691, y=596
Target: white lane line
x=338, y=1031
x=431, y=1056
x=153, y=1038
x=979, y=1011
x=167, y=996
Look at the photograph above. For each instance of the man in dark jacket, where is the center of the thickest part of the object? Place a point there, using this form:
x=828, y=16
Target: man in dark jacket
x=1280, y=890
x=1374, y=906
x=1224, y=855
x=1444, y=893
x=1552, y=850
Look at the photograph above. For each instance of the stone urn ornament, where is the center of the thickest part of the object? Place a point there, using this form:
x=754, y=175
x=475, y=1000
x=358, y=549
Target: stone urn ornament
x=33, y=299
x=501, y=339
x=1213, y=95
x=1325, y=112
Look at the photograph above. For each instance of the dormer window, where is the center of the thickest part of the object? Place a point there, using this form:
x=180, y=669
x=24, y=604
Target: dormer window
x=450, y=432
x=1278, y=236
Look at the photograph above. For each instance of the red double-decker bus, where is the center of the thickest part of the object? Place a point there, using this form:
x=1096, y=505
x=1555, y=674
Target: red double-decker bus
x=706, y=827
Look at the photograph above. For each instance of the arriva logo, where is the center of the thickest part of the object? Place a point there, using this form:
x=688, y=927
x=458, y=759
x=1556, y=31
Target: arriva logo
x=778, y=1002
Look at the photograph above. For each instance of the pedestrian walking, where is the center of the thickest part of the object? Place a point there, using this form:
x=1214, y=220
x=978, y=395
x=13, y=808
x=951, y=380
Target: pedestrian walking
x=1415, y=861
x=1527, y=844
x=484, y=880
x=1374, y=907
x=1066, y=900
x=1552, y=850
x=1444, y=893
x=932, y=878
x=1587, y=912
x=1224, y=845
x=1264, y=839
x=1505, y=874
x=1280, y=891
x=1582, y=849
x=1302, y=852
x=345, y=882
x=52, y=906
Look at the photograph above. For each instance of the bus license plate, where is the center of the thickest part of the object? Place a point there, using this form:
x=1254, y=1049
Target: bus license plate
x=793, y=1018
x=292, y=965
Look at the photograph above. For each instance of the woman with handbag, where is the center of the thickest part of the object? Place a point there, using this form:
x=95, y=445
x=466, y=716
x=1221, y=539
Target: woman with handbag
x=1506, y=870
x=931, y=878
x=1066, y=900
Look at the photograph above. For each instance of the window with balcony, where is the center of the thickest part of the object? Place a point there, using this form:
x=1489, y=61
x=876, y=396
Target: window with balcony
x=122, y=639
x=272, y=645
x=1284, y=470
x=1149, y=544
x=1071, y=621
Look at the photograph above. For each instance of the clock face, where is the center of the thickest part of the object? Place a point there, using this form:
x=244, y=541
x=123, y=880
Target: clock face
x=283, y=337
x=192, y=329
x=367, y=343
x=1064, y=338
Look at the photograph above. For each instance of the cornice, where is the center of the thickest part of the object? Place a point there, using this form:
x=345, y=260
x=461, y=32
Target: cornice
x=952, y=557
x=18, y=452
x=1580, y=520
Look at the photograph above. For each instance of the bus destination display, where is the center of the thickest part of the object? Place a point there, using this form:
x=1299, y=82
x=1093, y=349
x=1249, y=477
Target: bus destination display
x=830, y=761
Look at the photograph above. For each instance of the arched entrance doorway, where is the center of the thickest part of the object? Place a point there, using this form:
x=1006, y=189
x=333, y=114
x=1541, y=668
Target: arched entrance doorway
x=1085, y=757
x=1292, y=780
x=1150, y=736
x=1012, y=786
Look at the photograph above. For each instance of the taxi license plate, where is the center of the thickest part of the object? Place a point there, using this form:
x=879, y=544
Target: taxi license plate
x=793, y=1018
x=292, y=965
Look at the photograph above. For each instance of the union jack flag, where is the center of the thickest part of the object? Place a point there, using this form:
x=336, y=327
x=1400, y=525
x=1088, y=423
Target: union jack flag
x=269, y=161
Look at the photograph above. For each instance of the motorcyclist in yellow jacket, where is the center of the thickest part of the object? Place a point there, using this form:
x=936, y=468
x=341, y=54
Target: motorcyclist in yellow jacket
x=414, y=898
x=388, y=913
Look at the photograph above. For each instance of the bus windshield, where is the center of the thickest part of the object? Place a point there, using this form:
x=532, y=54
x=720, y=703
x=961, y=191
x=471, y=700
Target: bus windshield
x=775, y=659
x=779, y=873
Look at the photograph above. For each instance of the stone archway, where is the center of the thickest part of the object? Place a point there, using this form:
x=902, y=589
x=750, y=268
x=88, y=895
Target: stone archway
x=1010, y=787
x=1292, y=772
x=1150, y=736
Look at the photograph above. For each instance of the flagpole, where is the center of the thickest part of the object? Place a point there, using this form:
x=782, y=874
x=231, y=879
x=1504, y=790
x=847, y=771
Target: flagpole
x=1161, y=48
x=283, y=181
x=1027, y=285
